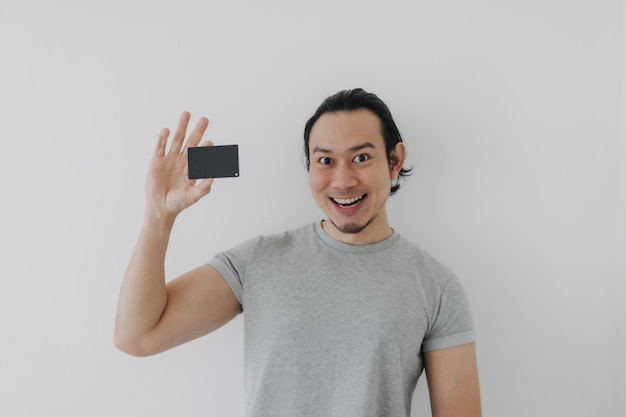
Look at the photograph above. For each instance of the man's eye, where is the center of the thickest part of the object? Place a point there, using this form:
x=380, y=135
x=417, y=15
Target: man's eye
x=325, y=160
x=361, y=158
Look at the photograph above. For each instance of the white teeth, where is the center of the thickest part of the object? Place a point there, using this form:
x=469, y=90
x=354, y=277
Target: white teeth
x=346, y=201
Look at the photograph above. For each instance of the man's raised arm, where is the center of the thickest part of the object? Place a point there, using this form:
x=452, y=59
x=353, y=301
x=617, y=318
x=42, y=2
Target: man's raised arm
x=153, y=316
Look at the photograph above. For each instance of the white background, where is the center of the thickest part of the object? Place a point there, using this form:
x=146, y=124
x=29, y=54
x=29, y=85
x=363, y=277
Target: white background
x=513, y=112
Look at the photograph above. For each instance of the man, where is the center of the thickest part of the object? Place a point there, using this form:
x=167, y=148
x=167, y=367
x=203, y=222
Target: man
x=341, y=316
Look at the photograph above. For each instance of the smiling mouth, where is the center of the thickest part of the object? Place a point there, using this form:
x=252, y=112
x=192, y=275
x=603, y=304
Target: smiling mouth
x=347, y=202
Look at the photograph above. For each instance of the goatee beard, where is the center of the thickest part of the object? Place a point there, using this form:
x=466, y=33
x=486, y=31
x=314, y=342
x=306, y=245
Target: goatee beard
x=352, y=228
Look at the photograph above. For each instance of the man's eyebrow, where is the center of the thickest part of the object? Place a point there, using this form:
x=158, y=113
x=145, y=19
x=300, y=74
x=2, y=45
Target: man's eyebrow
x=362, y=146
x=321, y=150
x=352, y=149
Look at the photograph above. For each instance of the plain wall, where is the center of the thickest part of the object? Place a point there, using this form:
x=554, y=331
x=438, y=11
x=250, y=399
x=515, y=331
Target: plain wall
x=514, y=121
x=620, y=293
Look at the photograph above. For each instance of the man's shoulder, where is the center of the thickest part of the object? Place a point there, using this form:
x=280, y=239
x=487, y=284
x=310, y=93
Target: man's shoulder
x=287, y=237
x=273, y=241
x=423, y=260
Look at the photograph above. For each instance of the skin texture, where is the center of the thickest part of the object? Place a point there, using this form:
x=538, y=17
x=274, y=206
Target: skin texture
x=348, y=160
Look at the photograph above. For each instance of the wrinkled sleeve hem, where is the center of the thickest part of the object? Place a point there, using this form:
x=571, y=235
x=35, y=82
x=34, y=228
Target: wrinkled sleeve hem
x=229, y=277
x=452, y=340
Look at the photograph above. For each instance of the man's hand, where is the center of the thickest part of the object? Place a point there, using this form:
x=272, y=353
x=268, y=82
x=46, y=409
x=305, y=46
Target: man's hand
x=168, y=189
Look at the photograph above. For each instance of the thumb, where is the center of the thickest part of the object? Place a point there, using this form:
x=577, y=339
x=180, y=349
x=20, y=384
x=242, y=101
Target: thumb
x=201, y=189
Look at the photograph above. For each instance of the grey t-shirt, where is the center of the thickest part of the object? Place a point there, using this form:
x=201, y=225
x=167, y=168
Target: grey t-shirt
x=332, y=329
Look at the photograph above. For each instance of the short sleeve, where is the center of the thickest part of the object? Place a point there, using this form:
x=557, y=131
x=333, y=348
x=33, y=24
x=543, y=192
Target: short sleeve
x=233, y=265
x=453, y=324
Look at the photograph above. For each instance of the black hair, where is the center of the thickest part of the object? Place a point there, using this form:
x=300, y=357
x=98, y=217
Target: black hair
x=356, y=99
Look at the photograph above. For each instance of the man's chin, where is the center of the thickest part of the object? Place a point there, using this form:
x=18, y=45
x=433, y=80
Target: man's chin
x=351, y=228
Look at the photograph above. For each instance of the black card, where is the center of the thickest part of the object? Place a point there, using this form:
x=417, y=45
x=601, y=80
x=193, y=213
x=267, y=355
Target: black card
x=213, y=161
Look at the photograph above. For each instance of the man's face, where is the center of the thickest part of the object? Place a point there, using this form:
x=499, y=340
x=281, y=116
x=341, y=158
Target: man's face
x=350, y=175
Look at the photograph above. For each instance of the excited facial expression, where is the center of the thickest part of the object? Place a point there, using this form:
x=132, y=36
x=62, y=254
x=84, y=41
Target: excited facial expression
x=350, y=175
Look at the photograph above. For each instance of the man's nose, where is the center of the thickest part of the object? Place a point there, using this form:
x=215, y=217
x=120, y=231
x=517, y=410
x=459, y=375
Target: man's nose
x=344, y=176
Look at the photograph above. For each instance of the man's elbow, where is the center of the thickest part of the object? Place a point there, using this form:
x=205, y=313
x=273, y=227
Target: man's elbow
x=131, y=346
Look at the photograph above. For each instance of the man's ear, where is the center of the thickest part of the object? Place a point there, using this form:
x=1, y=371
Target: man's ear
x=396, y=159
